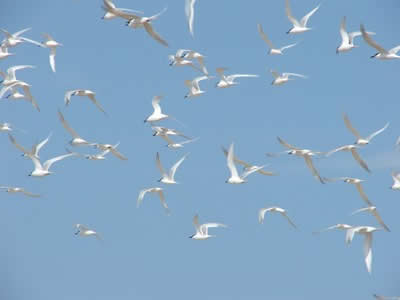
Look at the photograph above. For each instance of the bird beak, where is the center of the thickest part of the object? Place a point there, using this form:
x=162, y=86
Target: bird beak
x=76, y=233
x=288, y=31
x=337, y=51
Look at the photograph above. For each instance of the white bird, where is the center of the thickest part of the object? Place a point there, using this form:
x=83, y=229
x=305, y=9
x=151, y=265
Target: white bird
x=306, y=154
x=111, y=148
x=90, y=94
x=179, y=60
x=14, y=39
x=382, y=53
x=10, y=77
x=43, y=169
x=248, y=166
x=26, y=87
x=109, y=13
x=4, y=52
x=202, y=230
x=298, y=27
x=174, y=145
x=273, y=50
x=157, y=115
x=52, y=45
x=360, y=140
x=35, y=148
x=372, y=210
x=228, y=81
x=98, y=156
x=191, y=54
x=262, y=212
x=135, y=21
x=356, y=182
x=396, y=181
x=77, y=140
x=235, y=178
x=14, y=190
x=353, y=150
x=168, y=178
x=280, y=79
x=347, y=38
x=367, y=232
x=194, y=87
x=160, y=193
x=189, y=12
x=84, y=231
x=159, y=131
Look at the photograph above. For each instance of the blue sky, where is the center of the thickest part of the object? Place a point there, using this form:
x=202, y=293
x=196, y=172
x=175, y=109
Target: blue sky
x=147, y=254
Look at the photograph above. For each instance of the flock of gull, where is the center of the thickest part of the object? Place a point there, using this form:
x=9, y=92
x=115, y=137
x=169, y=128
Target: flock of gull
x=16, y=89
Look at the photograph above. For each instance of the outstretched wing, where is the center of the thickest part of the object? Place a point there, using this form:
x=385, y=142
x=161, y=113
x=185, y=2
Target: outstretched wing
x=154, y=34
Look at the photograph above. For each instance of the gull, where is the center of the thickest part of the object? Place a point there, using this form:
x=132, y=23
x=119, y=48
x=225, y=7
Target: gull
x=189, y=12
x=194, y=88
x=109, y=14
x=35, y=148
x=367, y=232
x=284, y=77
x=360, y=140
x=396, y=181
x=174, y=145
x=157, y=115
x=235, y=178
x=84, y=231
x=357, y=184
x=153, y=190
x=111, y=148
x=372, y=210
x=14, y=39
x=14, y=190
x=202, y=230
x=88, y=93
x=52, y=45
x=158, y=130
x=353, y=150
x=306, y=154
x=135, y=21
x=339, y=226
x=273, y=50
x=248, y=166
x=298, y=27
x=191, y=54
x=347, y=38
x=385, y=298
x=26, y=87
x=168, y=178
x=228, y=81
x=77, y=140
x=43, y=169
x=382, y=53
x=179, y=60
x=4, y=52
x=10, y=78
x=262, y=212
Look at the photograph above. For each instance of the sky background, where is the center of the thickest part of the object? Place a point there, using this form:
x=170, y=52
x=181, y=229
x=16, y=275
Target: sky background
x=146, y=254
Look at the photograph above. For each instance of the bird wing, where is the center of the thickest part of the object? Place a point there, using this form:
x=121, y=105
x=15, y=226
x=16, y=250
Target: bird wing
x=156, y=104
x=175, y=167
x=290, y=221
x=196, y=223
x=158, y=14
x=30, y=194
x=304, y=20
x=236, y=160
x=360, y=210
x=372, y=135
x=66, y=126
x=350, y=234
x=233, y=76
x=230, y=162
x=341, y=148
x=294, y=74
x=370, y=41
x=379, y=219
x=343, y=33
x=18, y=33
x=93, y=99
x=261, y=215
x=394, y=50
x=12, y=139
x=47, y=164
x=251, y=170
x=52, y=58
x=189, y=11
x=118, y=154
x=197, y=80
x=289, y=14
x=362, y=194
x=167, y=139
x=141, y=196
x=150, y=30
x=288, y=46
x=32, y=42
x=264, y=36
x=48, y=37
x=30, y=97
x=283, y=143
x=200, y=59
x=359, y=160
x=314, y=171
x=159, y=165
x=350, y=127
x=396, y=177
x=275, y=74
x=220, y=72
x=368, y=250
x=67, y=97
x=40, y=145
x=163, y=202
x=204, y=227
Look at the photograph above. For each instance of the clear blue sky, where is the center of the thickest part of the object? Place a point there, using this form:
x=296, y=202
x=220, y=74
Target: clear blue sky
x=147, y=254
